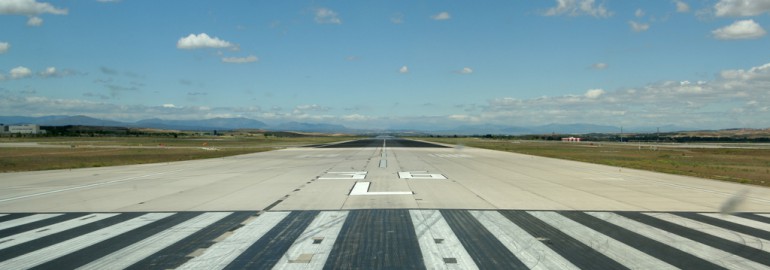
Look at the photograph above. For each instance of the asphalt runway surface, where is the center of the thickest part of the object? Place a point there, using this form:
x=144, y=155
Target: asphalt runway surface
x=378, y=204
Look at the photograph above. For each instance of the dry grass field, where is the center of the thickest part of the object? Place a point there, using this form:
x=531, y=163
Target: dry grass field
x=742, y=165
x=30, y=154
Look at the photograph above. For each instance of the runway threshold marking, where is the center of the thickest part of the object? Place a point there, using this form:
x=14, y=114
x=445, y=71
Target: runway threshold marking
x=439, y=245
x=533, y=251
x=221, y=254
x=705, y=252
x=52, y=252
x=312, y=247
x=134, y=253
x=392, y=238
x=606, y=245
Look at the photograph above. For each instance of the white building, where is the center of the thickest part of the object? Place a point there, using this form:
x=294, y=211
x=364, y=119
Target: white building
x=22, y=129
x=571, y=139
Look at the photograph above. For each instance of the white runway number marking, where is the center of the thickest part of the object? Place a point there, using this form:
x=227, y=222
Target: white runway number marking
x=343, y=176
x=362, y=188
x=420, y=175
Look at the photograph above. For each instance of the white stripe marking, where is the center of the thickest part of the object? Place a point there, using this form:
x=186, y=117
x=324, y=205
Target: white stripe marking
x=27, y=236
x=325, y=227
x=221, y=254
x=740, y=220
x=25, y=220
x=720, y=232
x=531, y=251
x=362, y=188
x=52, y=252
x=420, y=175
x=344, y=176
x=138, y=251
x=430, y=225
x=614, y=249
x=87, y=186
x=697, y=249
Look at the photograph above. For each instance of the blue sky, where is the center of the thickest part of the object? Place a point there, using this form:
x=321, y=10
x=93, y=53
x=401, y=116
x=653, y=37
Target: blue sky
x=390, y=64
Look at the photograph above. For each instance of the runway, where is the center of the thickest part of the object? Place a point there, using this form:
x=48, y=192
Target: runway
x=378, y=204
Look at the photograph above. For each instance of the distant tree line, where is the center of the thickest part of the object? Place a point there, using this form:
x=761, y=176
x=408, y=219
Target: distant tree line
x=88, y=131
x=602, y=137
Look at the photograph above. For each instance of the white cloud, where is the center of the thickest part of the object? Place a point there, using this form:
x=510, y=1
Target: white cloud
x=465, y=70
x=741, y=8
x=403, y=69
x=327, y=16
x=639, y=27
x=639, y=13
x=356, y=117
x=39, y=106
x=594, y=93
x=599, y=66
x=29, y=8
x=397, y=18
x=240, y=60
x=701, y=104
x=35, y=21
x=51, y=72
x=577, y=8
x=201, y=41
x=745, y=29
x=300, y=109
x=464, y=118
x=4, y=47
x=441, y=16
x=762, y=71
x=682, y=7
x=48, y=72
x=736, y=98
x=20, y=72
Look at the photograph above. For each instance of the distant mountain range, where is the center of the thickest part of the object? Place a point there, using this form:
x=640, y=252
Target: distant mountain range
x=206, y=124
x=543, y=129
x=246, y=123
